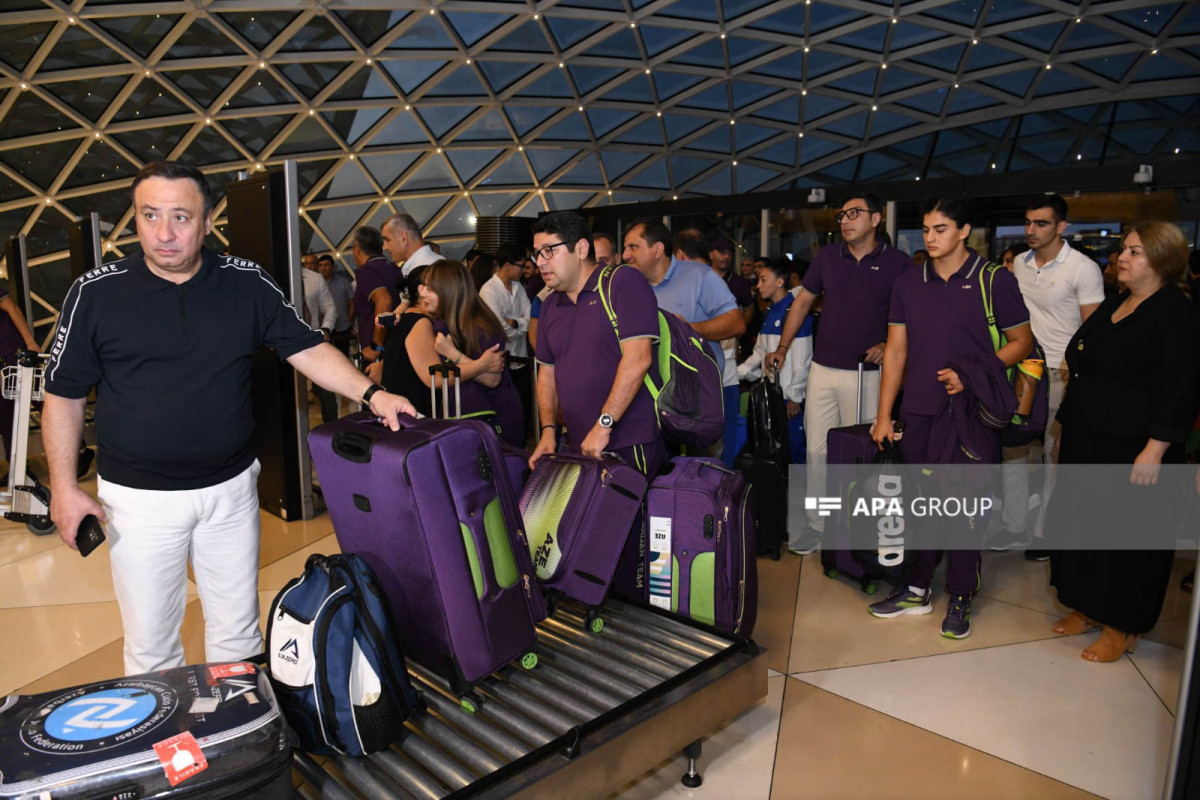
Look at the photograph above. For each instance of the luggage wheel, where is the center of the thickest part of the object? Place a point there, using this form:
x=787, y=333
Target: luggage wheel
x=868, y=586
x=529, y=660
x=592, y=622
x=471, y=702
x=831, y=572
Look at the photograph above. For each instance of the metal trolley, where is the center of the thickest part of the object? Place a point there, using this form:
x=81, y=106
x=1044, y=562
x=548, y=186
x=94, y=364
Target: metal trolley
x=24, y=498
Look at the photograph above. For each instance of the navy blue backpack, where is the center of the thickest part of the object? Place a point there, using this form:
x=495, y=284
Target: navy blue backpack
x=335, y=661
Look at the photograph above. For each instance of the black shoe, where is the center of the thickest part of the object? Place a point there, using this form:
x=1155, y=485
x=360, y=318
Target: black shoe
x=1037, y=555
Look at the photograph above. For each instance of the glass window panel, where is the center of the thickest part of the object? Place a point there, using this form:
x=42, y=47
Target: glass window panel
x=716, y=140
x=545, y=160
x=311, y=78
x=1041, y=37
x=433, y=174
x=501, y=74
x=658, y=39
x=526, y=39
x=1057, y=81
x=705, y=10
x=964, y=100
x=1162, y=67
x=587, y=79
x=336, y=223
x=140, y=34
x=78, y=48
x=635, y=89
x=945, y=59
x=256, y=132
x=200, y=39
x=745, y=92
x=110, y=205
x=309, y=136
x=22, y=41
x=148, y=100
x=789, y=67
x=259, y=27
x=551, y=84
x=984, y=55
x=786, y=110
x=441, y=119
x=790, y=20
x=12, y=221
x=152, y=144
x=403, y=129
x=409, y=74
x=669, y=84
x=427, y=34
x=469, y=162
x=718, y=183
x=713, y=99
x=1112, y=67
x=512, y=172
x=31, y=115
x=461, y=82
x=204, y=85
x=100, y=163
x=604, y=120
x=1088, y=34
x=749, y=177
x=1012, y=9
x=684, y=168
x=746, y=135
x=826, y=15
x=569, y=30
x=366, y=83
x=90, y=97
x=708, y=54
x=584, y=173
x=907, y=34
x=1015, y=83
x=317, y=34
x=854, y=125
x=348, y=181
x=526, y=118
x=422, y=209
x=49, y=234
x=822, y=63
x=648, y=132
x=572, y=128
x=260, y=90
x=735, y=8
x=964, y=12
x=367, y=26
x=210, y=147
x=742, y=49
x=653, y=176
x=473, y=26
x=869, y=38
x=862, y=82
x=1151, y=20
x=567, y=201
x=489, y=127
x=387, y=168
x=495, y=203
x=309, y=172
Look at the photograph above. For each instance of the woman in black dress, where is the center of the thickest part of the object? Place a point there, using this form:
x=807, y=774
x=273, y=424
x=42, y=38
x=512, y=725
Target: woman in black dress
x=1132, y=397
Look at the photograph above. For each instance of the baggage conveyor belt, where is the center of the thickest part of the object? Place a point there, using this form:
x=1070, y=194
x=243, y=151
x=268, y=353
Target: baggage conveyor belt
x=597, y=711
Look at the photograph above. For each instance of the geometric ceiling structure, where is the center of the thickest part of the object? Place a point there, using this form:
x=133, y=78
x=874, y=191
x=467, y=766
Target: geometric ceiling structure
x=455, y=109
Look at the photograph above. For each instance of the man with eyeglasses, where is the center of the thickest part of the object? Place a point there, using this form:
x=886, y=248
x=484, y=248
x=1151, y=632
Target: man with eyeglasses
x=593, y=374
x=856, y=279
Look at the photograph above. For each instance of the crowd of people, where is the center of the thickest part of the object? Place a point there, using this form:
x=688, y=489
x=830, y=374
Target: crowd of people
x=862, y=312
x=173, y=423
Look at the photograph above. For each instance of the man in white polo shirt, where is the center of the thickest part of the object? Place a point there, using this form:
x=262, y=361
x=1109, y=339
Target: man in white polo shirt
x=1061, y=287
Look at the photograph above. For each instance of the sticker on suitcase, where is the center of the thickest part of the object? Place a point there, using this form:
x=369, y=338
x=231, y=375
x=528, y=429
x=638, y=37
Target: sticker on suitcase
x=181, y=757
x=542, y=514
x=661, y=577
x=93, y=718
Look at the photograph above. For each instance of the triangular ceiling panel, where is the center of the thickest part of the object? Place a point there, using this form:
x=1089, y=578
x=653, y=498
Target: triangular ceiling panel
x=433, y=174
x=567, y=201
x=460, y=219
x=569, y=31
x=526, y=118
x=551, y=84
x=492, y=204
x=469, y=162
x=781, y=153
x=411, y=73
x=585, y=172
x=618, y=162
x=786, y=110
x=351, y=125
x=604, y=120
x=545, y=160
x=474, y=26
x=427, y=34
x=401, y=129
x=572, y=128
x=489, y=127
x=526, y=39
x=462, y=82
x=718, y=183
x=647, y=132
x=308, y=136
x=684, y=168
x=588, y=78
x=659, y=39
x=502, y=74
x=441, y=119
x=421, y=209
x=653, y=176
x=512, y=171
x=386, y=169
x=749, y=177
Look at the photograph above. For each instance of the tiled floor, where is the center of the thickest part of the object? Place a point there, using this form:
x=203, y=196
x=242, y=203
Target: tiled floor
x=856, y=707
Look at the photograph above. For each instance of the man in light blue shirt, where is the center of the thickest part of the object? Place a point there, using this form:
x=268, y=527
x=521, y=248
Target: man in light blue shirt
x=690, y=290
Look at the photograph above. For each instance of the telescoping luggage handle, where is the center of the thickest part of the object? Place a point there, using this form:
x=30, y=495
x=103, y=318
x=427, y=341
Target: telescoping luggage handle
x=862, y=359
x=445, y=370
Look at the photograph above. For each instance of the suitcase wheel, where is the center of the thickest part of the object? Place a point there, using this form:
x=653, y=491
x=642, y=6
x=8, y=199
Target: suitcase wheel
x=592, y=622
x=869, y=586
x=529, y=661
x=471, y=702
x=831, y=572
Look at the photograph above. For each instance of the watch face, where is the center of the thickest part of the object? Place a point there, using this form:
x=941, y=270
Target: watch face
x=606, y=421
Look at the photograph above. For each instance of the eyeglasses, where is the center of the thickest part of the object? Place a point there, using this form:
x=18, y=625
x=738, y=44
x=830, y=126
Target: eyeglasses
x=850, y=214
x=546, y=252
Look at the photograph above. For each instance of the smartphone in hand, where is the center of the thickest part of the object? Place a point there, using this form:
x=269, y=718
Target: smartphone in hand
x=89, y=536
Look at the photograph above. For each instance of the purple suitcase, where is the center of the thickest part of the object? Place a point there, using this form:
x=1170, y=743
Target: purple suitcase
x=431, y=510
x=846, y=447
x=578, y=512
x=702, y=544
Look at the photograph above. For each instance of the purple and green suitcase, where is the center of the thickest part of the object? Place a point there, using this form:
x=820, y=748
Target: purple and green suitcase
x=578, y=511
x=431, y=510
x=702, y=544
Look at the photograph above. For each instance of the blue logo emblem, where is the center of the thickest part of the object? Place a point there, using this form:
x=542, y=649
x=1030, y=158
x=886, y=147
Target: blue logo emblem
x=101, y=714
x=105, y=715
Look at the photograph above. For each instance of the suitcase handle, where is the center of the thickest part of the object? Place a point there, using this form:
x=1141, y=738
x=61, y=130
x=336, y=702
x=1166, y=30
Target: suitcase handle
x=718, y=467
x=446, y=371
x=354, y=446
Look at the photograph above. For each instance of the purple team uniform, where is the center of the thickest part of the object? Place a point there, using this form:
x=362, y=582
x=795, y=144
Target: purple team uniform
x=376, y=273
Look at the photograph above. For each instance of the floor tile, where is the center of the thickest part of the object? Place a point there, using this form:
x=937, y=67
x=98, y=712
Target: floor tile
x=1096, y=726
x=833, y=628
x=281, y=538
x=736, y=761
x=1162, y=667
x=830, y=747
x=273, y=576
x=777, y=583
x=50, y=637
x=16, y=542
x=1011, y=578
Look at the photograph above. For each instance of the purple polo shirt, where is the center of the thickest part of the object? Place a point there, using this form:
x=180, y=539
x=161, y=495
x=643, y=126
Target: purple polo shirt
x=740, y=288
x=502, y=399
x=854, y=313
x=578, y=340
x=945, y=320
x=376, y=273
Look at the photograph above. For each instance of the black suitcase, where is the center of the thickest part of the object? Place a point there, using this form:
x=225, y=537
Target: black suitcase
x=769, y=477
x=210, y=731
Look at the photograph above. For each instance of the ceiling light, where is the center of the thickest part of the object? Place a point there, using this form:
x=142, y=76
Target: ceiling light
x=439, y=149
x=874, y=108
x=1047, y=66
x=581, y=108
x=735, y=163
x=658, y=113
x=537, y=16
x=311, y=112
x=468, y=61
x=521, y=147
x=895, y=20
x=147, y=73
x=433, y=11
x=369, y=62
x=407, y=107
x=722, y=36
x=647, y=70
x=466, y=194
x=1176, y=151
x=352, y=156
x=803, y=91
x=993, y=166
x=561, y=65
x=610, y=191
x=97, y=134
x=262, y=64
x=49, y=201
x=733, y=122
x=800, y=134
x=258, y=165
x=1154, y=52
x=974, y=41
x=674, y=197
x=24, y=86
x=301, y=210
x=956, y=86
x=208, y=120
x=1078, y=20
x=71, y=20
x=541, y=191
x=883, y=66
x=633, y=24
x=1079, y=156
x=806, y=48
x=918, y=177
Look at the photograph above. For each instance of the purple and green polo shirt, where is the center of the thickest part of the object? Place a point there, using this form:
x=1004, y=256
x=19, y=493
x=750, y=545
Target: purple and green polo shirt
x=376, y=273
x=854, y=314
x=944, y=320
x=578, y=340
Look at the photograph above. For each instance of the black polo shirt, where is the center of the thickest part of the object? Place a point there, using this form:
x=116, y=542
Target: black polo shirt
x=171, y=364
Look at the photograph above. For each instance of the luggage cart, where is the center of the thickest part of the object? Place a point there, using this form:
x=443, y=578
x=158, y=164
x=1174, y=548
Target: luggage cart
x=597, y=711
x=24, y=498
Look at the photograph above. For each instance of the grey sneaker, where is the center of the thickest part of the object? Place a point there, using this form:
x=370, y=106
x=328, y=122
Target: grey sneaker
x=809, y=541
x=957, y=624
x=1009, y=540
x=902, y=601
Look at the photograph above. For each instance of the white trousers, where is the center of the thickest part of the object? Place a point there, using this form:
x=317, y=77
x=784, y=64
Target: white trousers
x=830, y=402
x=152, y=535
x=1018, y=461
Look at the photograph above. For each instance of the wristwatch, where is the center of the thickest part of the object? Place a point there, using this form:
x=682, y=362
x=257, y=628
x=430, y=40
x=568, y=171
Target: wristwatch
x=370, y=392
x=606, y=421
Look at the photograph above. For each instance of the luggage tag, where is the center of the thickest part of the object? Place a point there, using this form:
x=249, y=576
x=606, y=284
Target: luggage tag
x=660, y=562
x=181, y=757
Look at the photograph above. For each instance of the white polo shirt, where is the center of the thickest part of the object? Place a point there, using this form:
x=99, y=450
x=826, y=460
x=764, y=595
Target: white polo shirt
x=421, y=258
x=1054, y=293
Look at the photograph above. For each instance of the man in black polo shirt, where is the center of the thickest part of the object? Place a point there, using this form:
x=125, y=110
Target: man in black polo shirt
x=167, y=337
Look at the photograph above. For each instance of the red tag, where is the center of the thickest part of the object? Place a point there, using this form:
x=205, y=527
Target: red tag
x=230, y=670
x=181, y=757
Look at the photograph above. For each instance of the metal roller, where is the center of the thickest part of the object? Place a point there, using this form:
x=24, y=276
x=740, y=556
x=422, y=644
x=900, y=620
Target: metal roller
x=515, y=722
x=552, y=694
x=478, y=760
x=550, y=652
x=554, y=719
x=451, y=773
x=499, y=741
x=664, y=638
x=325, y=784
x=408, y=776
x=620, y=634
x=608, y=646
x=713, y=641
x=638, y=677
x=360, y=775
x=602, y=700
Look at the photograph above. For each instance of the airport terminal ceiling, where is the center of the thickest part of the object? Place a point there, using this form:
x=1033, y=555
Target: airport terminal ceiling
x=456, y=109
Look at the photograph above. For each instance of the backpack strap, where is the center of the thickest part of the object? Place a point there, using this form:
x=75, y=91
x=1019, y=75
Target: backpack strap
x=604, y=289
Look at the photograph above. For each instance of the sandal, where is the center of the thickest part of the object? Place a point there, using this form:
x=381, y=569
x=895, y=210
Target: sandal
x=1111, y=645
x=1074, y=624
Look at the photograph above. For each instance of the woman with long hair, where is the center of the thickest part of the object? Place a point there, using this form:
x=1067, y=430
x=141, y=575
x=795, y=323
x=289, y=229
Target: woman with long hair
x=941, y=348
x=468, y=330
x=411, y=349
x=1132, y=399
